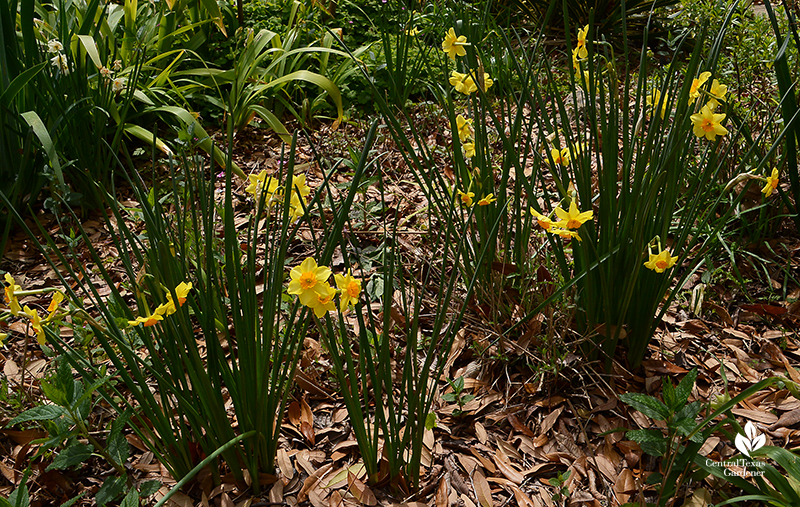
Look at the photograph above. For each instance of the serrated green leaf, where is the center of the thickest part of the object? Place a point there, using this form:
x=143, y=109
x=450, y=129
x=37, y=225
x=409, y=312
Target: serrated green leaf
x=685, y=386
x=53, y=393
x=117, y=445
x=40, y=413
x=110, y=490
x=647, y=405
x=72, y=455
x=71, y=502
x=668, y=392
x=149, y=488
x=651, y=441
x=20, y=498
x=131, y=499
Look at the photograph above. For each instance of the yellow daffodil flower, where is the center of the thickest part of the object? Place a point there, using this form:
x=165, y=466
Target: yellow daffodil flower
x=565, y=233
x=147, y=321
x=717, y=92
x=10, y=294
x=661, y=261
x=561, y=157
x=299, y=185
x=583, y=52
x=58, y=297
x=653, y=100
x=466, y=198
x=487, y=200
x=350, y=290
x=544, y=221
x=261, y=182
x=694, y=91
x=469, y=149
x=167, y=309
x=573, y=218
x=411, y=32
x=322, y=302
x=770, y=183
x=454, y=46
x=707, y=124
x=309, y=281
x=36, y=322
x=3, y=337
x=464, y=127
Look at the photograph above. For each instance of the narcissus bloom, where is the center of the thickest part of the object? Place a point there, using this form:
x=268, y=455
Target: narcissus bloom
x=454, y=46
x=581, y=46
x=350, y=290
x=118, y=85
x=299, y=185
x=464, y=127
x=10, y=294
x=148, y=321
x=561, y=157
x=61, y=63
x=694, y=91
x=54, y=46
x=466, y=198
x=487, y=200
x=411, y=32
x=653, y=100
x=322, y=302
x=707, y=124
x=469, y=149
x=261, y=181
x=717, y=92
x=36, y=322
x=309, y=281
x=771, y=183
x=58, y=297
x=661, y=261
x=565, y=233
x=573, y=218
x=544, y=221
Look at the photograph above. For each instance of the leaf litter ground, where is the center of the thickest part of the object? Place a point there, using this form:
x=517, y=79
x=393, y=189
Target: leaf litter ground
x=539, y=409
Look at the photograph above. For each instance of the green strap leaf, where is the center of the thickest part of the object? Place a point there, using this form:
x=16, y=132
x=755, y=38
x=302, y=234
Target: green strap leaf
x=19, y=83
x=36, y=123
x=91, y=49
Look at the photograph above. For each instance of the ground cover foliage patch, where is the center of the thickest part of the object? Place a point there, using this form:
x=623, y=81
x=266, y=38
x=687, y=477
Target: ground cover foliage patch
x=548, y=271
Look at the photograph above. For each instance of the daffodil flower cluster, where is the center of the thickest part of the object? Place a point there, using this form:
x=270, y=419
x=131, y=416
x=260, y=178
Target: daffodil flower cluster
x=464, y=83
x=12, y=291
x=706, y=123
x=568, y=223
x=273, y=192
x=309, y=283
x=468, y=199
x=59, y=60
x=580, y=54
x=165, y=309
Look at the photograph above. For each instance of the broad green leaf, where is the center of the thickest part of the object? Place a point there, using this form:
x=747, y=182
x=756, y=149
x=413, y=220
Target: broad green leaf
x=20, y=498
x=149, y=488
x=71, y=501
x=72, y=455
x=685, y=386
x=647, y=405
x=147, y=136
x=54, y=393
x=131, y=499
x=40, y=413
x=110, y=490
x=668, y=392
x=651, y=441
x=117, y=445
x=430, y=421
